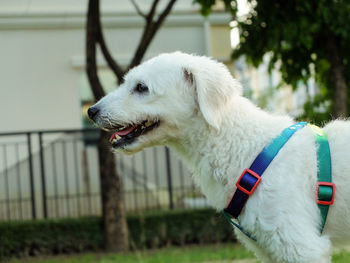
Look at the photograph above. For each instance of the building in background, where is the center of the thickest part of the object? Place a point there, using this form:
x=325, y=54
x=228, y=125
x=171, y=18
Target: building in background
x=44, y=87
x=43, y=81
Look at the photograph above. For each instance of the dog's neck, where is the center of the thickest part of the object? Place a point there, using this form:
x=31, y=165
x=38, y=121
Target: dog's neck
x=218, y=158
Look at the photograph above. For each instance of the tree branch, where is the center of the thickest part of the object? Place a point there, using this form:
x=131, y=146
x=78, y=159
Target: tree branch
x=95, y=36
x=114, y=66
x=91, y=43
x=164, y=14
x=150, y=30
x=152, y=11
x=138, y=10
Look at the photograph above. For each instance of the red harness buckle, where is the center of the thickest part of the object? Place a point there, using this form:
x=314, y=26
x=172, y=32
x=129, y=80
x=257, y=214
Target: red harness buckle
x=255, y=175
x=326, y=198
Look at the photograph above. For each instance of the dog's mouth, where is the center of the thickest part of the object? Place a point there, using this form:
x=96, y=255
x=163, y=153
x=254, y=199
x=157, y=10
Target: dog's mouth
x=124, y=135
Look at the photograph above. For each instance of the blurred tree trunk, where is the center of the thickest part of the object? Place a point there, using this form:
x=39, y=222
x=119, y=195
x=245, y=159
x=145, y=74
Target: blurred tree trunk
x=113, y=212
x=114, y=217
x=337, y=77
x=115, y=225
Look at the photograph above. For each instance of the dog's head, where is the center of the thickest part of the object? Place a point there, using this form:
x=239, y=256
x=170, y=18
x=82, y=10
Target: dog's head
x=163, y=97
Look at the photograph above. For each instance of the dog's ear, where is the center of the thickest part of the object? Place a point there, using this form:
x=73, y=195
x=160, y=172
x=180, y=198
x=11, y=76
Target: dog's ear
x=215, y=89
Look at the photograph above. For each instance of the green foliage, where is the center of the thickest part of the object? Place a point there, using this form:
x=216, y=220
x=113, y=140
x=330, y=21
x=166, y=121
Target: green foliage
x=53, y=236
x=150, y=230
x=206, y=6
x=316, y=110
x=296, y=33
x=161, y=228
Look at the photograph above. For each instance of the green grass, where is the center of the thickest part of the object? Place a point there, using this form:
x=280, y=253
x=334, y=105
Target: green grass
x=341, y=257
x=189, y=254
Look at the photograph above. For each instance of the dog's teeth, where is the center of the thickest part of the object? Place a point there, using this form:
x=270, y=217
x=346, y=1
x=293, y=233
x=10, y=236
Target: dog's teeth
x=116, y=138
x=149, y=123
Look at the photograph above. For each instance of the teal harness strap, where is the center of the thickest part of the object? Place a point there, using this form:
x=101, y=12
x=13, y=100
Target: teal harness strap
x=237, y=225
x=251, y=177
x=325, y=188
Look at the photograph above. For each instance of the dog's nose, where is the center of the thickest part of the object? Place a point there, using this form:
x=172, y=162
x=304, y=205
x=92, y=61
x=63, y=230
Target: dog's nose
x=92, y=112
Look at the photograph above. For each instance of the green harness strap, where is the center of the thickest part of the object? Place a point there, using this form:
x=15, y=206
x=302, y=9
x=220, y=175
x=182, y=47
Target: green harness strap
x=325, y=188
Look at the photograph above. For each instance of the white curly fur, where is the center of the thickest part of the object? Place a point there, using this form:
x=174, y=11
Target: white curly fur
x=219, y=133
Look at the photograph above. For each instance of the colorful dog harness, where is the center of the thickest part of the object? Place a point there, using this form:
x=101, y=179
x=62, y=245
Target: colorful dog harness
x=250, y=178
x=325, y=188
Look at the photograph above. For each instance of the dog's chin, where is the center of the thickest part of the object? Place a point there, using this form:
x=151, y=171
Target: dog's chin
x=130, y=148
x=140, y=143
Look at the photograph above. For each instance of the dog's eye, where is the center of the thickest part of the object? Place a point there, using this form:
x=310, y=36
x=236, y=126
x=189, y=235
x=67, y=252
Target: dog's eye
x=141, y=88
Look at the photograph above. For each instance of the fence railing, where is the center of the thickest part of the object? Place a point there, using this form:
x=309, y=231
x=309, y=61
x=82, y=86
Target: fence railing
x=46, y=174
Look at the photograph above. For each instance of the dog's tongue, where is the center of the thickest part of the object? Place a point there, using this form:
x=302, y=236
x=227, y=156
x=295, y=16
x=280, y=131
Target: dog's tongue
x=122, y=133
x=126, y=131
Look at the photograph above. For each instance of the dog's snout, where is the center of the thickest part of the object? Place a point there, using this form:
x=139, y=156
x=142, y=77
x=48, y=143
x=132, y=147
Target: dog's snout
x=92, y=112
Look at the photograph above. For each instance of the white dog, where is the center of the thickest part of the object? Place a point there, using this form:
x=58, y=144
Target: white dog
x=193, y=105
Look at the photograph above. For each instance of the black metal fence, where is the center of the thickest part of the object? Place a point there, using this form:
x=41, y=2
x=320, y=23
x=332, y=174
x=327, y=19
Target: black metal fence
x=48, y=174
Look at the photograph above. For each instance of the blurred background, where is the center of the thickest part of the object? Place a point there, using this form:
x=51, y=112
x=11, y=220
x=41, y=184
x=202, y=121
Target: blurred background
x=61, y=190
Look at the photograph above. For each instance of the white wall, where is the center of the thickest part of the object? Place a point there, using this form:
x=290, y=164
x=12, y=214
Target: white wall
x=38, y=86
x=42, y=65
x=43, y=82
